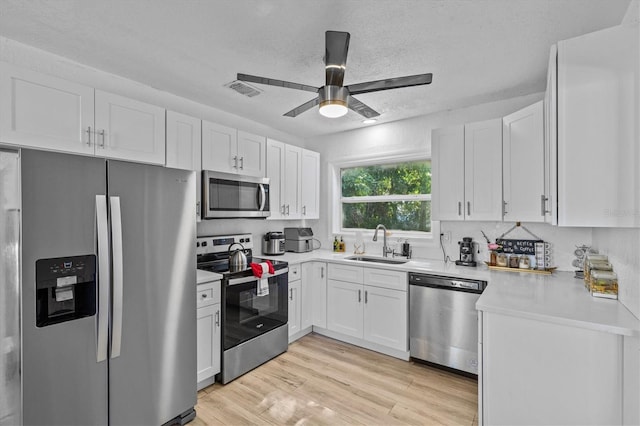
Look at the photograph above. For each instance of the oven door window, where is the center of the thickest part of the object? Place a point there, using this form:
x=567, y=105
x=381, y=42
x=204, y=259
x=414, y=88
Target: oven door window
x=247, y=315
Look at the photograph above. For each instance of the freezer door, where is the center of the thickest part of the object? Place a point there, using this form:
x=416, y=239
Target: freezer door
x=152, y=366
x=10, y=408
x=63, y=381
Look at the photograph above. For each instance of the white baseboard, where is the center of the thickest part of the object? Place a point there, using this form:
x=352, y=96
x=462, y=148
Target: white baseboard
x=403, y=355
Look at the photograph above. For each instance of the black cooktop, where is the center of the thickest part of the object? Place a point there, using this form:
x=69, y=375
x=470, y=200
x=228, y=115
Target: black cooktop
x=216, y=262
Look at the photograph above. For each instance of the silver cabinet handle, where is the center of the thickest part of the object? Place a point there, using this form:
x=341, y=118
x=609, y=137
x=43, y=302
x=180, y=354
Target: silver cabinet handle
x=118, y=267
x=366, y=299
x=241, y=163
x=235, y=162
x=543, y=205
x=283, y=209
x=104, y=278
x=304, y=210
x=287, y=209
x=217, y=318
x=468, y=208
x=459, y=208
x=102, y=137
x=291, y=294
x=504, y=208
x=322, y=272
x=89, y=135
x=359, y=296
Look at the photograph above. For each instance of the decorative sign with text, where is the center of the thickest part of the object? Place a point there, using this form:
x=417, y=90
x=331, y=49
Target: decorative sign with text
x=518, y=246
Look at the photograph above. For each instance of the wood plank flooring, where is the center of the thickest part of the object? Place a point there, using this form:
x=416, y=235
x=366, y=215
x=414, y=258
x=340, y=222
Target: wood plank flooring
x=326, y=382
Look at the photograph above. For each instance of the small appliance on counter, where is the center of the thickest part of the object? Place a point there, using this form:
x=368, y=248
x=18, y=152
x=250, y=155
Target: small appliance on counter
x=466, y=252
x=298, y=240
x=273, y=243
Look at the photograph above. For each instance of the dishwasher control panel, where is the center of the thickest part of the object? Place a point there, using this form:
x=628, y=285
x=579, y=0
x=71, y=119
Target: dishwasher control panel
x=436, y=281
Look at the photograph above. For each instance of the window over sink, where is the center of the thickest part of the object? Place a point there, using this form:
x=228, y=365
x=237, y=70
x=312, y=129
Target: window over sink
x=396, y=194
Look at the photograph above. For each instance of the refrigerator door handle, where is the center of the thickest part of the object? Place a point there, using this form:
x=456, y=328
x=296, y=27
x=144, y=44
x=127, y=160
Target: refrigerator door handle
x=103, y=278
x=116, y=247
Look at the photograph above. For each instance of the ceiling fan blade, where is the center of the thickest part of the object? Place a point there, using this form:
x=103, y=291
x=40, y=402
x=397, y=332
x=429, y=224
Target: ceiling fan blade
x=362, y=109
x=274, y=82
x=390, y=83
x=335, y=57
x=302, y=108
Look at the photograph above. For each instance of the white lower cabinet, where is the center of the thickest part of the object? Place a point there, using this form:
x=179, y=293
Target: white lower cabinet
x=208, y=332
x=314, y=294
x=294, y=307
x=377, y=314
x=536, y=372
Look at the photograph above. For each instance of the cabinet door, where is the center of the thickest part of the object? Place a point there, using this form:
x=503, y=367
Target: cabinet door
x=598, y=111
x=275, y=173
x=310, y=184
x=447, y=177
x=385, y=317
x=292, y=187
x=184, y=141
x=483, y=170
x=345, y=308
x=251, y=154
x=45, y=112
x=523, y=165
x=551, y=139
x=219, y=148
x=208, y=332
x=294, y=307
x=314, y=289
x=129, y=129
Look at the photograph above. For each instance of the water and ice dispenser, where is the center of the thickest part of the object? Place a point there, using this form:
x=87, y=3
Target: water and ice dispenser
x=65, y=289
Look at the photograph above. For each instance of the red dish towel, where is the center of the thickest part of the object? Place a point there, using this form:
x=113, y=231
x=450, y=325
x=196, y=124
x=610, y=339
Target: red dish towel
x=258, y=269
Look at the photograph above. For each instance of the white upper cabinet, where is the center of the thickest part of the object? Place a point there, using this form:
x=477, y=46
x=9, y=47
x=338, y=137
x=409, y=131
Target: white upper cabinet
x=128, y=129
x=483, y=170
x=598, y=137
x=310, y=184
x=184, y=141
x=551, y=139
x=275, y=173
x=523, y=165
x=225, y=149
x=251, y=154
x=292, y=181
x=45, y=112
x=467, y=172
x=447, y=177
x=219, y=148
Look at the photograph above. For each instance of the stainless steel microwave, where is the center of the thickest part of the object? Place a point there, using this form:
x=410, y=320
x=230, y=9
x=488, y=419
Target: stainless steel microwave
x=229, y=195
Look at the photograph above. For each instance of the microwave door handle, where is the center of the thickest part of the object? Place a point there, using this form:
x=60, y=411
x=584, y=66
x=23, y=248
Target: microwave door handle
x=104, y=278
x=263, y=196
x=116, y=245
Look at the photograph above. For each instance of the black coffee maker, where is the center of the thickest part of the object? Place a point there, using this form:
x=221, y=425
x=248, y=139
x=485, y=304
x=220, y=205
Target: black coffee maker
x=466, y=252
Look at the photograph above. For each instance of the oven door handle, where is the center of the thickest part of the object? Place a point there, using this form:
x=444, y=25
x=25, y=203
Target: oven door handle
x=236, y=281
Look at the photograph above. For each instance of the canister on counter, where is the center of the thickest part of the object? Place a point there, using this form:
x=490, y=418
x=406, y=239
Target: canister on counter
x=514, y=261
x=603, y=284
x=501, y=260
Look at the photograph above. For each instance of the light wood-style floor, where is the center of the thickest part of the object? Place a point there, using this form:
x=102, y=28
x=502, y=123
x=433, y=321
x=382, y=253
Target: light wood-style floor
x=323, y=381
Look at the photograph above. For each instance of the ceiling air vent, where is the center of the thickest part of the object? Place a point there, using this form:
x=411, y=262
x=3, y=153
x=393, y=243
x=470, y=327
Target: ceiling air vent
x=243, y=88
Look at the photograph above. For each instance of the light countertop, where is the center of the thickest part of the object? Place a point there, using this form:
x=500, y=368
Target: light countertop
x=206, y=276
x=558, y=298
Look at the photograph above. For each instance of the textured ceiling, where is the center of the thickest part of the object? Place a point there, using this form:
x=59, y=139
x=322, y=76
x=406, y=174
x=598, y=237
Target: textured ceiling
x=478, y=51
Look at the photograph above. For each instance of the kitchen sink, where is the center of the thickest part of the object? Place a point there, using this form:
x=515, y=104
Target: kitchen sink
x=377, y=260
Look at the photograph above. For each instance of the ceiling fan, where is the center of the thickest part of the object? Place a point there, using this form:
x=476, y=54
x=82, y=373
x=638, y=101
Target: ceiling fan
x=334, y=98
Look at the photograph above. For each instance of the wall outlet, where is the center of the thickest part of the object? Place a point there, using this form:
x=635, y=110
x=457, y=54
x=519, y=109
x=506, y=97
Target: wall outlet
x=446, y=237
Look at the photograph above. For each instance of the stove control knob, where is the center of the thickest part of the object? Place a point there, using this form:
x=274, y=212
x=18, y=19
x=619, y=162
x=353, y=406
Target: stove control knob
x=197, y=244
x=248, y=240
x=242, y=240
x=204, y=244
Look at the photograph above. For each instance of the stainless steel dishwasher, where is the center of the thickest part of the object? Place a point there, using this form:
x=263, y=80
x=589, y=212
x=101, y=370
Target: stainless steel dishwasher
x=443, y=321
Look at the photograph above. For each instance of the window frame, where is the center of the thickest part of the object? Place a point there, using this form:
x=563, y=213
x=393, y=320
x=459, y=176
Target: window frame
x=337, y=199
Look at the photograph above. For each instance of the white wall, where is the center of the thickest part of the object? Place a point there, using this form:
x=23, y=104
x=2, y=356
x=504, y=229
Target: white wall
x=414, y=136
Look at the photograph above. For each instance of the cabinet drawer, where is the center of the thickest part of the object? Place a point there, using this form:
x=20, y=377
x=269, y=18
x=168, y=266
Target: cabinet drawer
x=208, y=294
x=348, y=273
x=294, y=272
x=394, y=280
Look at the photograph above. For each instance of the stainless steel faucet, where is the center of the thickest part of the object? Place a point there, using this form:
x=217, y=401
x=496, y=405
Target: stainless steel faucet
x=385, y=250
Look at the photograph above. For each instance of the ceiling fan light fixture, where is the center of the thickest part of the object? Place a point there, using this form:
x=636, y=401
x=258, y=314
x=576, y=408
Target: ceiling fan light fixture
x=333, y=101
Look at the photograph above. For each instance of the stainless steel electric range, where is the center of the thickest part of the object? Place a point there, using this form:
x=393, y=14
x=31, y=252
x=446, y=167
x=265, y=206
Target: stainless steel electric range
x=254, y=319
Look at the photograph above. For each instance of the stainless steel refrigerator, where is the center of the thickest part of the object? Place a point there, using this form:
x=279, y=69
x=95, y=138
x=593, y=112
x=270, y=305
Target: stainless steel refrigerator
x=108, y=291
